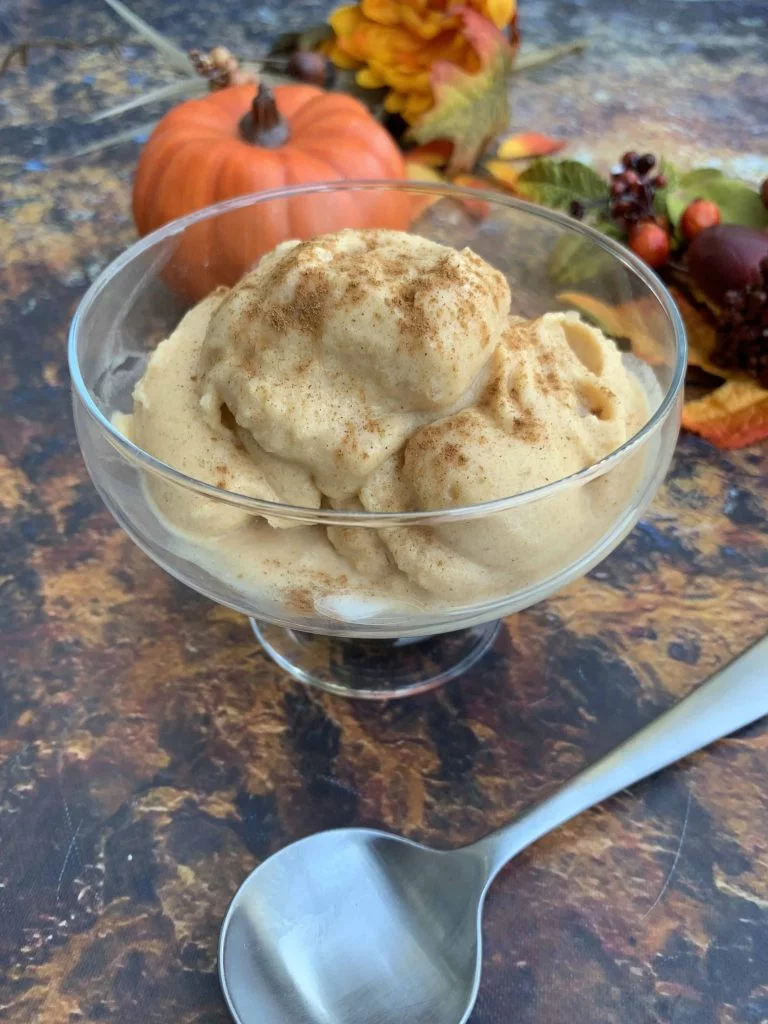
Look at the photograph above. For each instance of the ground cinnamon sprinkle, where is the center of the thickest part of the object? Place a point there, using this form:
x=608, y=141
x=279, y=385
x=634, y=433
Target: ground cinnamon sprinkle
x=414, y=322
x=452, y=453
x=300, y=599
x=309, y=308
x=527, y=427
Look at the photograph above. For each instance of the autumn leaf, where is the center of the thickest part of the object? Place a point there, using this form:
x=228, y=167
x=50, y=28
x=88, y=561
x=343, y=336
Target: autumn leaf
x=469, y=109
x=528, y=144
x=732, y=416
x=432, y=154
x=473, y=181
x=429, y=175
x=700, y=329
x=478, y=208
x=625, y=320
x=504, y=173
x=423, y=172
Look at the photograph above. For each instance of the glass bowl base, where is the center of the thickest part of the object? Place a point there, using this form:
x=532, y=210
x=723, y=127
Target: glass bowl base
x=375, y=669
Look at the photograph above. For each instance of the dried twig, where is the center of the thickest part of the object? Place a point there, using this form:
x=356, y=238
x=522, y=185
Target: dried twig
x=174, y=55
x=21, y=50
x=184, y=88
x=97, y=145
x=538, y=58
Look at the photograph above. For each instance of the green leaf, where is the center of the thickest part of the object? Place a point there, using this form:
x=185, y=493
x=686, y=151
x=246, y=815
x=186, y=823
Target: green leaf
x=738, y=203
x=670, y=172
x=574, y=259
x=700, y=176
x=557, y=183
x=609, y=227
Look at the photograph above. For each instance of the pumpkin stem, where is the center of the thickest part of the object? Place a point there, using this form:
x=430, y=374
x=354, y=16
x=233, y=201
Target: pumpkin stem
x=264, y=125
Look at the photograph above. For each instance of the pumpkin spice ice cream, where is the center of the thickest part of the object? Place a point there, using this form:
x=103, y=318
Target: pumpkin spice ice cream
x=377, y=371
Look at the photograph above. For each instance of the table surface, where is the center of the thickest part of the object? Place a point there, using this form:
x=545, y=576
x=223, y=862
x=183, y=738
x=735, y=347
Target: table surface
x=151, y=755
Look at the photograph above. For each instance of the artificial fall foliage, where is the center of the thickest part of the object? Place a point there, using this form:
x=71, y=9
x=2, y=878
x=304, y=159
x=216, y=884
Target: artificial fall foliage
x=433, y=154
x=625, y=321
x=447, y=70
x=667, y=202
x=558, y=183
x=393, y=45
x=469, y=109
x=528, y=144
x=503, y=173
x=733, y=416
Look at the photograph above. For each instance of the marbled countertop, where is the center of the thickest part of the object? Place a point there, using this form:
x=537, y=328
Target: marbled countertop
x=151, y=755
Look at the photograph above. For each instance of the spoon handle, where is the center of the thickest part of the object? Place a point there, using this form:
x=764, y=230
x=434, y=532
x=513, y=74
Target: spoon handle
x=731, y=699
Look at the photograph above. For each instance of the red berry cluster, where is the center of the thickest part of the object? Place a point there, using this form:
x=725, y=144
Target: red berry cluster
x=633, y=188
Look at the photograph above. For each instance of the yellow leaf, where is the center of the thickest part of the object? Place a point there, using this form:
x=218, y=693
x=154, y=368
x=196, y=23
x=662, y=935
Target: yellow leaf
x=528, y=144
x=469, y=109
x=422, y=172
x=502, y=172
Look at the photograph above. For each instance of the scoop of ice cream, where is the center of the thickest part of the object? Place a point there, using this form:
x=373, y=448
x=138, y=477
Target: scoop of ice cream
x=331, y=352
x=376, y=371
x=167, y=422
x=558, y=398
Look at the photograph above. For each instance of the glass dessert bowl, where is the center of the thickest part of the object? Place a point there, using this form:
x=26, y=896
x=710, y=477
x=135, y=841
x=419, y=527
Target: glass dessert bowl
x=391, y=581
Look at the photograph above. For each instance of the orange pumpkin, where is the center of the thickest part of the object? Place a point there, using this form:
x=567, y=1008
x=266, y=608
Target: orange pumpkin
x=236, y=141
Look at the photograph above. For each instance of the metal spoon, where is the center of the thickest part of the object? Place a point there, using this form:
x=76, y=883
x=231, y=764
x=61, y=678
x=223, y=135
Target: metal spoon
x=356, y=926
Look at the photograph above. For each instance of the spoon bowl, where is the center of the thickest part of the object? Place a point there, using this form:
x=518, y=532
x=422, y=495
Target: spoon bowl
x=357, y=926
x=395, y=936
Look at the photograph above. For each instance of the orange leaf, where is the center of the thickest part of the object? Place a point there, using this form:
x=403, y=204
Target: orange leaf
x=502, y=172
x=700, y=327
x=469, y=109
x=433, y=154
x=477, y=208
x=732, y=416
x=627, y=320
x=528, y=144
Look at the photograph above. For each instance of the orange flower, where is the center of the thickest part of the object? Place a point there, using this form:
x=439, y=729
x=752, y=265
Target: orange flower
x=394, y=43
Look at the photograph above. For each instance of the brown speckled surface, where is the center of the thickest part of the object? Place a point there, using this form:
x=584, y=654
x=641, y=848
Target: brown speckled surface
x=150, y=755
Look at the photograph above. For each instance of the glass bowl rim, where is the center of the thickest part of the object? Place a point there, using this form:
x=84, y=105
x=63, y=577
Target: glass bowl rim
x=142, y=459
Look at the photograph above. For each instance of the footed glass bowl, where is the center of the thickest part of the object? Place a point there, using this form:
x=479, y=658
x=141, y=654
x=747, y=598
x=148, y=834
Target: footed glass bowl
x=393, y=643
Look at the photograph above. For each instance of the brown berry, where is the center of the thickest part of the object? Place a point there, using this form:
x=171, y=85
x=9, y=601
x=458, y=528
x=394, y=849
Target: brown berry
x=645, y=163
x=650, y=242
x=308, y=66
x=764, y=193
x=697, y=216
